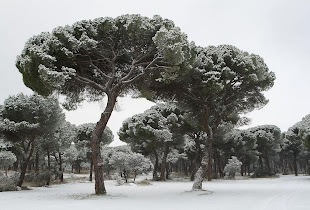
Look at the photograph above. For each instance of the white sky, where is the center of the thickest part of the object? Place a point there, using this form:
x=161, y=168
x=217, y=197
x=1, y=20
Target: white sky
x=277, y=30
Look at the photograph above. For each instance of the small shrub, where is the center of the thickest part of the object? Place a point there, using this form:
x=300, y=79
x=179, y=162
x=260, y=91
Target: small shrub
x=261, y=172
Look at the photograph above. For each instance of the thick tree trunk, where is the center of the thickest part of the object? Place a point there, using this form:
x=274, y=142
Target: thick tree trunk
x=200, y=174
x=163, y=163
x=207, y=154
x=155, y=177
x=95, y=143
x=26, y=162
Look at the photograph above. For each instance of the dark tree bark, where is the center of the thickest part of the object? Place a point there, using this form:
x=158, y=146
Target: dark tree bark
x=95, y=143
x=295, y=163
x=26, y=162
x=167, y=170
x=209, y=167
x=48, y=160
x=37, y=162
x=164, y=161
x=125, y=176
x=267, y=163
x=205, y=166
x=91, y=171
x=60, y=168
x=48, y=167
x=260, y=161
x=193, y=170
x=155, y=177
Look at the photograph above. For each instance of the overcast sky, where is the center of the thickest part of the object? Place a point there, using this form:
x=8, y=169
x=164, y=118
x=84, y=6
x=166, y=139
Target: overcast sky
x=277, y=30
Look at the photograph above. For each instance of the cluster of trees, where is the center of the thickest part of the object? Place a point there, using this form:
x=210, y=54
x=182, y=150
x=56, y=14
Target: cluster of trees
x=261, y=150
x=109, y=57
x=36, y=137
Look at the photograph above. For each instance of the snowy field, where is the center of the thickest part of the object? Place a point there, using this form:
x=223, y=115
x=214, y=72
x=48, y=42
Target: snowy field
x=286, y=192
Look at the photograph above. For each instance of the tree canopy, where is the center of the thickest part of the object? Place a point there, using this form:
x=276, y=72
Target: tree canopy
x=92, y=57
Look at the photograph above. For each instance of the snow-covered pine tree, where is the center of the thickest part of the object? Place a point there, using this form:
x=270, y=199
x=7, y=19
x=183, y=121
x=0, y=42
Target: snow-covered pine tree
x=153, y=132
x=102, y=57
x=233, y=166
x=26, y=119
x=222, y=83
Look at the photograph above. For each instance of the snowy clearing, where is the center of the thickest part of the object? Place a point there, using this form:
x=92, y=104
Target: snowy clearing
x=286, y=192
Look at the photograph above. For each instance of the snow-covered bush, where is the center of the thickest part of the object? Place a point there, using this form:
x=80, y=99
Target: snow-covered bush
x=127, y=163
x=8, y=182
x=233, y=166
x=42, y=178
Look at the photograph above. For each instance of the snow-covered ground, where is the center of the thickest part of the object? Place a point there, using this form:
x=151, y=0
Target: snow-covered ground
x=286, y=192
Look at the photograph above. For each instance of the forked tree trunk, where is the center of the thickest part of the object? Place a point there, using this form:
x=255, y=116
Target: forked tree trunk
x=163, y=163
x=206, y=161
x=26, y=162
x=95, y=143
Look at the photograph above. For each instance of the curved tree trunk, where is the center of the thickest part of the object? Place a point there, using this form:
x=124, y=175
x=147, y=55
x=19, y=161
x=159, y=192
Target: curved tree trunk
x=163, y=163
x=206, y=161
x=26, y=162
x=200, y=174
x=95, y=143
